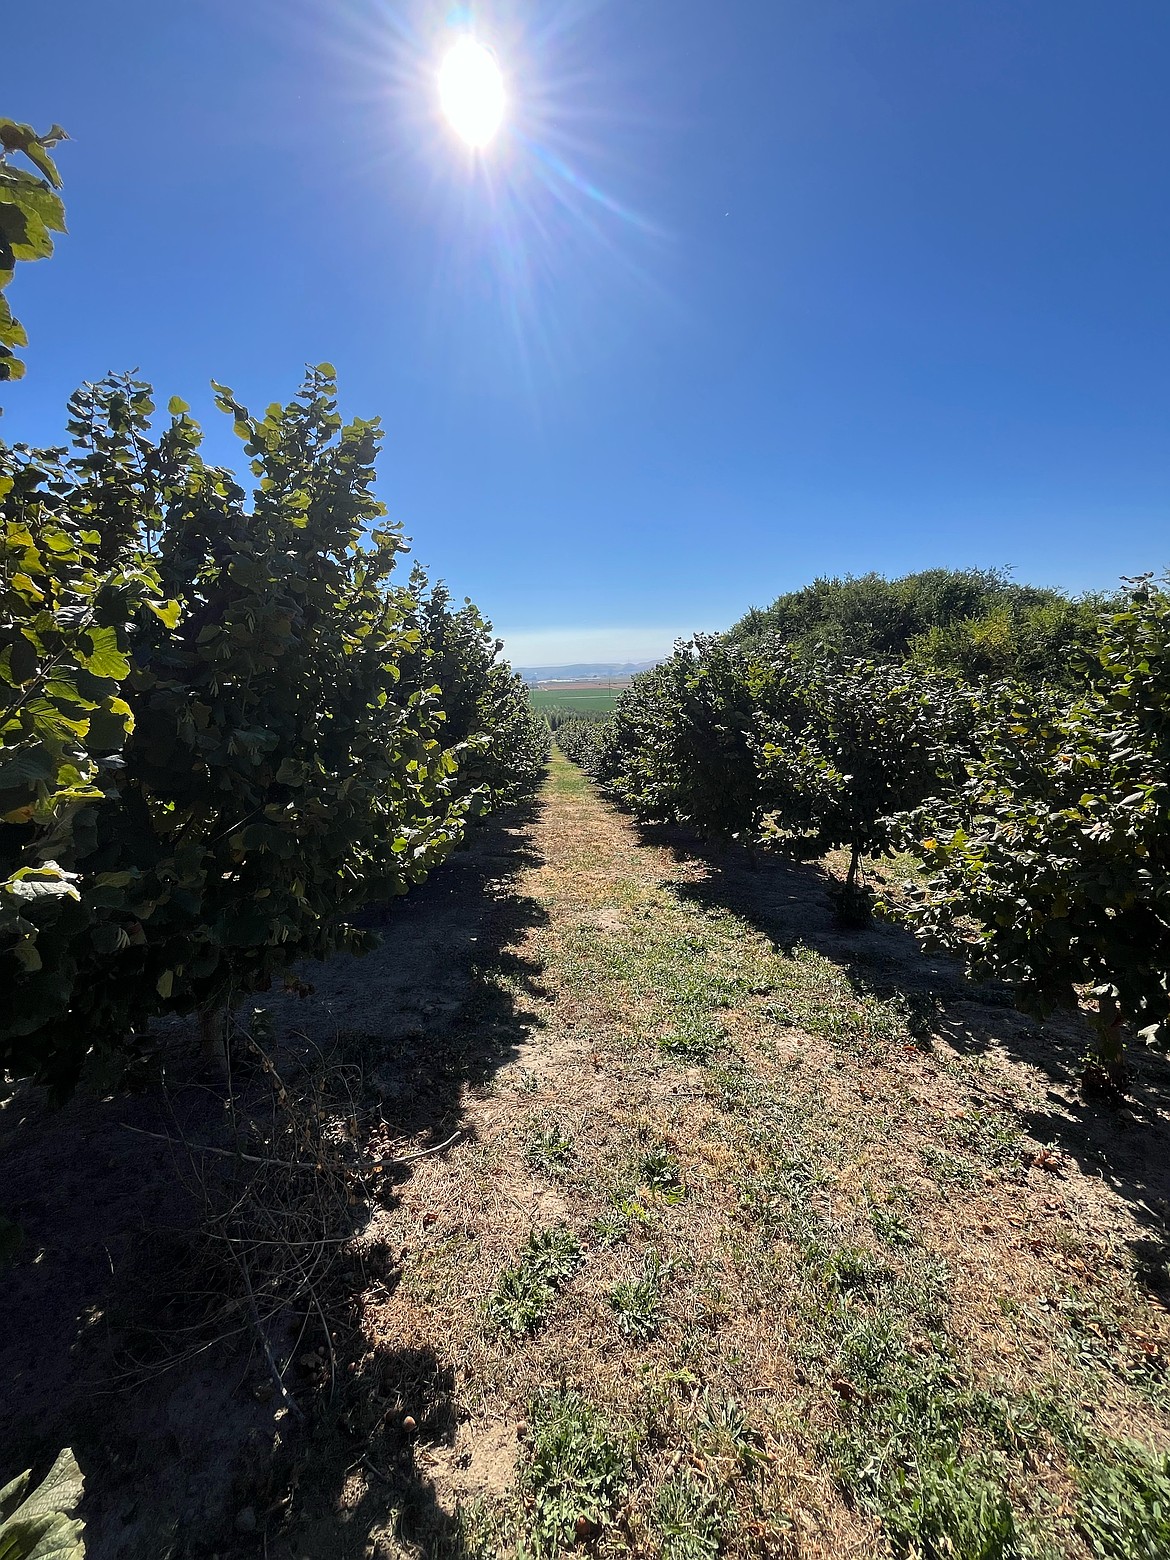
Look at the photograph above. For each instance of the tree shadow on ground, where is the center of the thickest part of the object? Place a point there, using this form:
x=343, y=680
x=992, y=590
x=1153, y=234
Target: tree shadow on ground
x=202, y=1457
x=1127, y=1144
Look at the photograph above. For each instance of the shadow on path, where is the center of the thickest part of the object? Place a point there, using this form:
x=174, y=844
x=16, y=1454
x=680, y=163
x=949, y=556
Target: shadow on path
x=1127, y=1145
x=198, y=1459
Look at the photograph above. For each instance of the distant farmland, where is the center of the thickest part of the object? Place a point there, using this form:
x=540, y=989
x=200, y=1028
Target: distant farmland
x=579, y=697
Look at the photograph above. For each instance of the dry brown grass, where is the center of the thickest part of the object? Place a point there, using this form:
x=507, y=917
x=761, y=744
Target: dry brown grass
x=805, y=1113
x=808, y=1182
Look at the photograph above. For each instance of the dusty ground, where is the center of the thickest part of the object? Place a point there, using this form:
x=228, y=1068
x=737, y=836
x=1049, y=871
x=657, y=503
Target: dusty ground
x=758, y=1238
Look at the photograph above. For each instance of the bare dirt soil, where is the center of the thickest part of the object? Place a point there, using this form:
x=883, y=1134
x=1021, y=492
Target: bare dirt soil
x=749, y=1221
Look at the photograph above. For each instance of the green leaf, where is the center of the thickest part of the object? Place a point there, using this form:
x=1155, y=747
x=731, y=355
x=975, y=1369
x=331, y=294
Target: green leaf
x=31, y=884
x=37, y=154
x=22, y=661
x=25, y=766
x=27, y=955
x=109, y=727
x=106, y=660
x=177, y=406
x=292, y=772
x=61, y=1491
x=42, y=1528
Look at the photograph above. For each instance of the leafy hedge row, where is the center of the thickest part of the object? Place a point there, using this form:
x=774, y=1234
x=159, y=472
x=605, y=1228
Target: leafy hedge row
x=977, y=622
x=223, y=727
x=1042, y=820
x=813, y=750
x=485, y=703
x=581, y=741
x=1057, y=843
x=558, y=715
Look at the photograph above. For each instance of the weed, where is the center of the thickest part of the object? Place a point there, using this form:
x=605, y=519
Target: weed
x=658, y=1170
x=577, y=1468
x=863, y=1023
x=612, y=1227
x=694, y=1038
x=842, y=1268
x=732, y=1086
x=990, y=1135
x=1124, y=1509
x=638, y=1303
x=520, y=1301
x=725, y=1435
x=819, y=996
x=949, y=1511
x=524, y=1292
x=890, y=1226
x=1089, y=1333
x=762, y=1198
x=550, y=1150
x=553, y=1254
x=688, y=1519
x=946, y=1169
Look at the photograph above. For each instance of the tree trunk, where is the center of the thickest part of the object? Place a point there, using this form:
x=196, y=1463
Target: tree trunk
x=851, y=875
x=1106, y=1069
x=853, y=903
x=213, y=1037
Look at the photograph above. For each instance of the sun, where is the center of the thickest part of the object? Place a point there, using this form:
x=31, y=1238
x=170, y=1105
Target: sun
x=471, y=90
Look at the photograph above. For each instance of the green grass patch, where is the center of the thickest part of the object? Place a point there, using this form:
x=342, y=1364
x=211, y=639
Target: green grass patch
x=565, y=779
x=525, y=1292
x=1124, y=1506
x=578, y=700
x=637, y=1303
x=578, y=1466
x=688, y=1520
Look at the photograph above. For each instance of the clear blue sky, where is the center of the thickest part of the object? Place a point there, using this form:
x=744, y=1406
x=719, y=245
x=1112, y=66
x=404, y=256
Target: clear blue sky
x=742, y=293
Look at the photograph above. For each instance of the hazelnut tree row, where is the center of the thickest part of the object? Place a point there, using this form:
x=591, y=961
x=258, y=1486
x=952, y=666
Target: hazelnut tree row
x=1040, y=818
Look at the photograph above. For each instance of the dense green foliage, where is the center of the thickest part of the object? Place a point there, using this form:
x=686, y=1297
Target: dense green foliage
x=855, y=743
x=1041, y=816
x=558, y=715
x=1036, y=642
x=222, y=729
x=686, y=744
x=973, y=621
x=30, y=213
x=582, y=741
x=764, y=740
x=1058, y=844
x=485, y=704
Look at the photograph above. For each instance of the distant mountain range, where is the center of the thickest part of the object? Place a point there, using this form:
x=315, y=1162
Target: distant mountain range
x=598, y=669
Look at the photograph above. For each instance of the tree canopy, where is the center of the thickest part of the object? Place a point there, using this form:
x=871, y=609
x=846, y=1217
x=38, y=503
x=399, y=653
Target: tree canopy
x=978, y=622
x=30, y=213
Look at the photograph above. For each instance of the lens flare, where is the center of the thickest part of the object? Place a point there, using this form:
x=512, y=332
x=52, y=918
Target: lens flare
x=471, y=91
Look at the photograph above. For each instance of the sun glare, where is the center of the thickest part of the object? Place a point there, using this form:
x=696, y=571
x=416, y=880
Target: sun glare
x=471, y=91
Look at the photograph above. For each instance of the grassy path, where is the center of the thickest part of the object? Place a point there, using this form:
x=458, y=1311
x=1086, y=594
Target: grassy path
x=735, y=1261
x=762, y=1240
x=753, y=1238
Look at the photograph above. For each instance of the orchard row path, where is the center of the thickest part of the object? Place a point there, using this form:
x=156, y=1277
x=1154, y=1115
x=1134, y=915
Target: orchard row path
x=751, y=1237
x=829, y=1217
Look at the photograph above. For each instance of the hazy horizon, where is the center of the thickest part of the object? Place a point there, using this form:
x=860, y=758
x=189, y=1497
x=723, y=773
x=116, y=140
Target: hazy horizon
x=568, y=646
